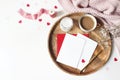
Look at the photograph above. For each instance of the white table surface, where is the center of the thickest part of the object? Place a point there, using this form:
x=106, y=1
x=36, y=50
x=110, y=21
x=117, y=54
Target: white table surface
x=23, y=46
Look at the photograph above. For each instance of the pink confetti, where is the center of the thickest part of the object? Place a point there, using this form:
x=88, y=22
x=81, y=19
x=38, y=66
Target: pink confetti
x=39, y=20
x=55, y=7
x=48, y=23
x=83, y=61
x=28, y=5
x=115, y=59
x=20, y=21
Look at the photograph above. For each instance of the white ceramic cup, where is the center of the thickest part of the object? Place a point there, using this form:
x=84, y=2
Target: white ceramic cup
x=66, y=24
x=94, y=21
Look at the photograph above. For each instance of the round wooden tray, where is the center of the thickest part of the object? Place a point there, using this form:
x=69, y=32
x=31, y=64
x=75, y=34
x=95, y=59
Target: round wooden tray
x=100, y=55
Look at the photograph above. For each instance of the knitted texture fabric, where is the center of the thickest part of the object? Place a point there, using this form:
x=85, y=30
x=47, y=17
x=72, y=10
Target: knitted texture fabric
x=106, y=10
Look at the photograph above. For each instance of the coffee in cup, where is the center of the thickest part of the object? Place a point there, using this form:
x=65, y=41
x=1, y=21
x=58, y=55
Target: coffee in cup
x=87, y=23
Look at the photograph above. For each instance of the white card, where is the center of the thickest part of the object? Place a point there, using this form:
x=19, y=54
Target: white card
x=89, y=48
x=71, y=50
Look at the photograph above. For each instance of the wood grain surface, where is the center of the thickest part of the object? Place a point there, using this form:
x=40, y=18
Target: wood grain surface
x=100, y=56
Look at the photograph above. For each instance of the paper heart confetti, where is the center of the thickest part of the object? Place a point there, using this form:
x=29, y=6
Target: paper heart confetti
x=115, y=59
x=28, y=5
x=20, y=21
x=48, y=23
x=83, y=61
x=55, y=7
x=40, y=20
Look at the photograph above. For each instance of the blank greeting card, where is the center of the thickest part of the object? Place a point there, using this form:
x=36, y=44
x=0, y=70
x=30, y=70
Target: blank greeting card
x=89, y=48
x=76, y=51
x=71, y=50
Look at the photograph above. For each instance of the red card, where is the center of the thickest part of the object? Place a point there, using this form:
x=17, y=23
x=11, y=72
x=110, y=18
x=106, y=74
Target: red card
x=60, y=38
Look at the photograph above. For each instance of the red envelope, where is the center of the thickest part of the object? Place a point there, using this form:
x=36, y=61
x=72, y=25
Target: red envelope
x=60, y=38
